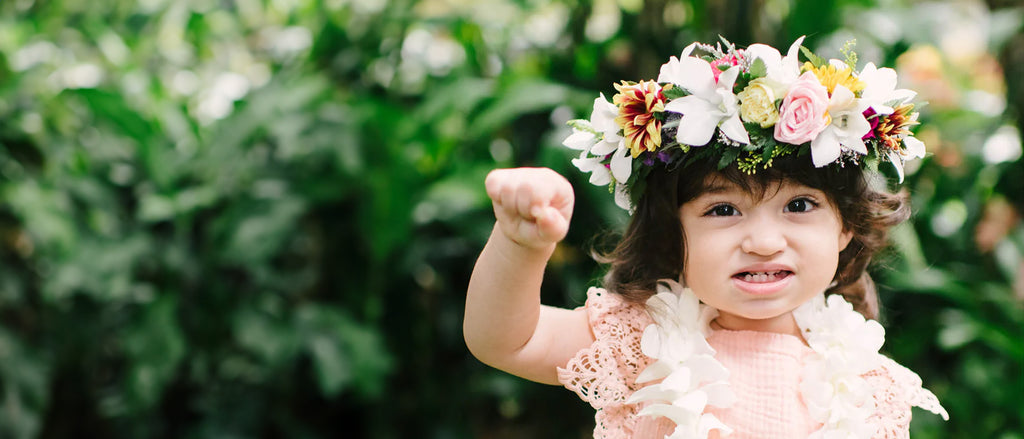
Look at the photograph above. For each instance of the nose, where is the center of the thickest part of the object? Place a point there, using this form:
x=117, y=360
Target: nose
x=763, y=237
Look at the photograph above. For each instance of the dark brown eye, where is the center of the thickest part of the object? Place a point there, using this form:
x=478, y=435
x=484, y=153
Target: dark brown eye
x=800, y=205
x=722, y=210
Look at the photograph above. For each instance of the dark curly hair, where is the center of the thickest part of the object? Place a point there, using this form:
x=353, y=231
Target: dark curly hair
x=652, y=246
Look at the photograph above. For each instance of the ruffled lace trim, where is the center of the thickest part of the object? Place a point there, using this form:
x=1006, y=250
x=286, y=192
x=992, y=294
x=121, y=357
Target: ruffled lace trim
x=604, y=375
x=897, y=390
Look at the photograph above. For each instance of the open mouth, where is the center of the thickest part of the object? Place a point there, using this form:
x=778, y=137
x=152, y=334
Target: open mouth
x=762, y=276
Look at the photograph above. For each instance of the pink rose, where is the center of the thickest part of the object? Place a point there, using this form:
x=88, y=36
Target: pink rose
x=802, y=114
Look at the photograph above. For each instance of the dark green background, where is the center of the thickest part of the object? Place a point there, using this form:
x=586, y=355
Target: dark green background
x=257, y=218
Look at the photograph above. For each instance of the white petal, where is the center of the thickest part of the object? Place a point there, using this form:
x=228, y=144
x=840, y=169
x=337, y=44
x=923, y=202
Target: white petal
x=680, y=379
x=902, y=95
x=873, y=334
x=655, y=371
x=882, y=109
x=733, y=129
x=580, y=140
x=584, y=163
x=915, y=147
x=605, y=147
x=692, y=74
x=790, y=70
x=708, y=368
x=698, y=124
x=688, y=50
x=678, y=415
x=650, y=341
x=600, y=176
x=728, y=78
x=825, y=148
x=867, y=72
x=855, y=143
x=838, y=64
x=693, y=402
x=653, y=393
x=603, y=116
x=878, y=83
x=709, y=422
x=769, y=55
x=856, y=127
x=622, y=198
x=897, y=162
x=622, y=163
x=842, y=98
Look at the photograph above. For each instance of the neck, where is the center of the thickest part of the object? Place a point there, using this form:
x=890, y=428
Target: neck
x=783, y=324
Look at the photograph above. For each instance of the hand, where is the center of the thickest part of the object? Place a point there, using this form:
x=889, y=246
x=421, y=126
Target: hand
x=532, y=205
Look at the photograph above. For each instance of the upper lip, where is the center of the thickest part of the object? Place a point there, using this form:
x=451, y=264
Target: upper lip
x=764, y=268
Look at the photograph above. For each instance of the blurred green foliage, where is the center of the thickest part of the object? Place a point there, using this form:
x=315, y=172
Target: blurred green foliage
x=257, y=218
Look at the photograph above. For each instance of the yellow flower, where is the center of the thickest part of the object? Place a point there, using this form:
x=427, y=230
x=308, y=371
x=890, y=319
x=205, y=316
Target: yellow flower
x=830, y=77
x=637, y=104
x=757, y=103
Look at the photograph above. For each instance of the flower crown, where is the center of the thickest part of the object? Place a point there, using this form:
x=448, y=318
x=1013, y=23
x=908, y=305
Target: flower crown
x=746, y=106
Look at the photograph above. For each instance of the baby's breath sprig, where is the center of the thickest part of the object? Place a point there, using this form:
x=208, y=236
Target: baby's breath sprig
x=848, y=51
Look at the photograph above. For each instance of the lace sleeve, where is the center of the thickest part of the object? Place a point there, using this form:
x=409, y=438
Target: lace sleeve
x=897, y=390
x=604, y=374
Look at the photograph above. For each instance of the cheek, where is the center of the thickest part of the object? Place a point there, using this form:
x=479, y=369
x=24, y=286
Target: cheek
x=700, y=259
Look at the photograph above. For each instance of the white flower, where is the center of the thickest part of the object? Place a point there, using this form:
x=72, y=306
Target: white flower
x=710, y=104
x=880, y=90
x=781, y=71
x=914, y=149
x=845, y=131
x=691, y=377
x=603, y=139
x=846, y=347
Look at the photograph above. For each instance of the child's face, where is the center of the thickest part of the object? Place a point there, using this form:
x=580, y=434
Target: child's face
x=756, y=260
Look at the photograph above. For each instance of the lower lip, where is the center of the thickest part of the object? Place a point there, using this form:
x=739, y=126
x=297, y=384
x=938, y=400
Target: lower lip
x=762, y=288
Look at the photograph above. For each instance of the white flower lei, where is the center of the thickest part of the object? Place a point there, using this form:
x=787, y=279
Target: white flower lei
x=836, y=394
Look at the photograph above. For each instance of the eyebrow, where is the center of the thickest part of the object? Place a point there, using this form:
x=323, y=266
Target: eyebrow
x=719, y=188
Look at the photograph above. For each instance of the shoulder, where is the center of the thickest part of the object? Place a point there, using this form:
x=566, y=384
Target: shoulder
x=897, y=390
x=611, y=316
x=604, y=374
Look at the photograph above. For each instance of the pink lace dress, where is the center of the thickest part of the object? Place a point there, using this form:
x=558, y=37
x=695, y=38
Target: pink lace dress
x=765, y=371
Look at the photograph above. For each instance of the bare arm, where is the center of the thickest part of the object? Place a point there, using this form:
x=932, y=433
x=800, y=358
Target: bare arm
x=506, y=326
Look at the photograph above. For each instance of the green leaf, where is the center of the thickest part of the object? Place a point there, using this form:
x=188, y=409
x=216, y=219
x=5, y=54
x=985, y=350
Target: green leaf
x=815, y=60
x=344, y=352
x=521, y=97
x=673, y=92
x=758, y=68
x=729, y=155
x=154, y=346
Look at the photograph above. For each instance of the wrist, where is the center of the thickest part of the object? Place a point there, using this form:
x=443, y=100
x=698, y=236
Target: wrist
x=513, y=249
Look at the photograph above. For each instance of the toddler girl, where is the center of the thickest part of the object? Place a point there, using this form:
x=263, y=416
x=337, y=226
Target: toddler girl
x=737, y=302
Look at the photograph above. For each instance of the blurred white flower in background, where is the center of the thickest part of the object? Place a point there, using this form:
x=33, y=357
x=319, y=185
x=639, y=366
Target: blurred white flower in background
x=1002, y=146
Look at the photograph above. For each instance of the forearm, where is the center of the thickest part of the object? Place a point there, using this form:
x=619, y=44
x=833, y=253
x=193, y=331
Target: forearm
x=506, y=326
x=503, y=302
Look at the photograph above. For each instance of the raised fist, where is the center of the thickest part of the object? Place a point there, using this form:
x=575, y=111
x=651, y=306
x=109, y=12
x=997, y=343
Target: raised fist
x=532, y=205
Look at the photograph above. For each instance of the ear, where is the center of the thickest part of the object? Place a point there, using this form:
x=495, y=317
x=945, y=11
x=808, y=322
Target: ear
x=844, y=239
